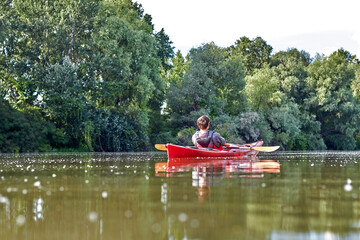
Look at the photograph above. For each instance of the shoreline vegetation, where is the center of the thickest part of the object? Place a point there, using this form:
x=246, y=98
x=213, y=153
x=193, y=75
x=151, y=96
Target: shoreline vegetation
x=94, y=75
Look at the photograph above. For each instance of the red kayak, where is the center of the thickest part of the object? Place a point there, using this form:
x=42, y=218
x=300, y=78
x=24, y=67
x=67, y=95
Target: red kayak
x=231, y=150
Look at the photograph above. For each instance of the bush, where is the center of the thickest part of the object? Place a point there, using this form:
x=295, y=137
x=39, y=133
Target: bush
x=184, y=136
x=26, y=132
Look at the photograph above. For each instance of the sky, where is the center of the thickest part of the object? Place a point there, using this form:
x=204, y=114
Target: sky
x=316, y=26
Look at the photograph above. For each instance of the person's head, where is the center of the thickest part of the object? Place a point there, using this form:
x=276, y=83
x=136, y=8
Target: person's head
x=203, y=122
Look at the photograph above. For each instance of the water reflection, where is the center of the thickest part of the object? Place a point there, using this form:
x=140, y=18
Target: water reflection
x=140, y=196
x=327, y=235
x=219, y=168
x=38, y=209
x=210, y=172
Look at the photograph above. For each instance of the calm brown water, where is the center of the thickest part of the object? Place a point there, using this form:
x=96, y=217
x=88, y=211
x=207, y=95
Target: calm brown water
x=286, y=195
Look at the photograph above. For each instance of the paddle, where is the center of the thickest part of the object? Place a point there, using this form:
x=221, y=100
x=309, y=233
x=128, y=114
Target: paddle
x=266, y=149
x=162, y=147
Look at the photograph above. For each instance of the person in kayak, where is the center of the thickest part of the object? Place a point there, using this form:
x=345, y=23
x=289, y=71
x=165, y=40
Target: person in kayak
x=205, y=137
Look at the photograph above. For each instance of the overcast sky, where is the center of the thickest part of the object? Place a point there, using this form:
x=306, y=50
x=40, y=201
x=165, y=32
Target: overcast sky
x=316, y=26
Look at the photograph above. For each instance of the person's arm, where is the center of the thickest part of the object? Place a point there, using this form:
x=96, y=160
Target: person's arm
x=218, y=140
x=194, y=139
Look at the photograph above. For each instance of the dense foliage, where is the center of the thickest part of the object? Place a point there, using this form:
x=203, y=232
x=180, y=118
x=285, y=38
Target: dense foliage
x=94, y=75
x=91, y=68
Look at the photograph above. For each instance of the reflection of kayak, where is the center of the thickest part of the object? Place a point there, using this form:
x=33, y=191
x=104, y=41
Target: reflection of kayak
x=243, y=164
x=231, y=150
x=214, y=162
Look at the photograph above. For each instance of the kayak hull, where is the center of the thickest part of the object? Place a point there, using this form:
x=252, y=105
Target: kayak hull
x=175, y=151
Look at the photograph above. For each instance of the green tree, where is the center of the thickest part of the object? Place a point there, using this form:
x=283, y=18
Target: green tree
x=210, y=82
x=85, y=63
x=290, y=56
x=125, y=69
x=165, y=50
x=179, y=67
x=255, y=53
x=331, y=99
x=27, y=131
x=262, y=90
x=196, y=90
x=65, y=98
x=290, y=67
x=230, y=86
x=355, y=85
x=157, y=120
x=38, y=35
x=213, y=83
x=277, y=94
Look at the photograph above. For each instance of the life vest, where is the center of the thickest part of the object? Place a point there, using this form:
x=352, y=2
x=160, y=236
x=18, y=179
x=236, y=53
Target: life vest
x=207, y=141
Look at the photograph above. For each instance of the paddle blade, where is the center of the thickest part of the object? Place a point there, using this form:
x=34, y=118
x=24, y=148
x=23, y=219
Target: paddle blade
x=161, y=147
x=266, y=149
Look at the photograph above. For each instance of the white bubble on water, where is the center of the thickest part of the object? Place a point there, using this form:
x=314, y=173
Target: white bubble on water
x=53, y=175
x=104, y=194
x=86, y=181
x=128, y=213
x=3, y=199
x=25, y=179
x=24, y=191
x=182, y=217
x=348, y=187
x=39, y=207
x=20, y=220
x=37, y=184
x=348, y=181
x=93, y=216
x=61, y=188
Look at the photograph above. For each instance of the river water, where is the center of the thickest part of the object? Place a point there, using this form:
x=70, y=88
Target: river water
x=283, y=195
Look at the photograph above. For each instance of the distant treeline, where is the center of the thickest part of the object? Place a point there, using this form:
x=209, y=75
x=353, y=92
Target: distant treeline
x=94, y=75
